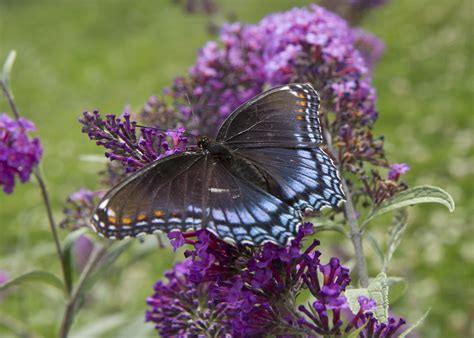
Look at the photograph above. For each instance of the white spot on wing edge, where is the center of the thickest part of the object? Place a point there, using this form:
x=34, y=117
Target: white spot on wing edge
x=103, y=204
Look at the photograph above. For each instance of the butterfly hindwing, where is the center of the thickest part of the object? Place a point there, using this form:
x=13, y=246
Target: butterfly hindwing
x=241, y=212
x=285, y=116
x=306, y=177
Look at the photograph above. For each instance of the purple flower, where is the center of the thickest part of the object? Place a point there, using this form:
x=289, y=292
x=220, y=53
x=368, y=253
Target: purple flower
x=369, y=46
x=18, y=152
x=180, y=307
x=82, y=250
x=124, y=144
x=396, y=170
x=79, y=208
x=253, y=291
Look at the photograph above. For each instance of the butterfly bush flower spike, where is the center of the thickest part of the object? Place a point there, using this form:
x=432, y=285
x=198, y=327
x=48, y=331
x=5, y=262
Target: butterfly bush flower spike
x=125, y=144
x=19, y=153
x=245, y=291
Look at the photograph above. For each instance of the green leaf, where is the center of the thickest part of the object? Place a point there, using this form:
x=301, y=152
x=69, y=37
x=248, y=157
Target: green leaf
x=100, y=327
x=414, y=326
x=35, y=276
x=352, y=295
x=107, y=261
x=7, y=66
x=398, y=287
x=376, y=246
x=378, y=291
x=67, y=247
x=355, y=334
x=399, y=225
x=416, y=195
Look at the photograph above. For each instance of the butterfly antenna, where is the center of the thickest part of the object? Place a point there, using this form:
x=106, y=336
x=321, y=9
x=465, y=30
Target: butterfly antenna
x=193, y=114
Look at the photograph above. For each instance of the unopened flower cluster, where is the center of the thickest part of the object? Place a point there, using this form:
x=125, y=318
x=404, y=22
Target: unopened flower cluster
x=242, y=291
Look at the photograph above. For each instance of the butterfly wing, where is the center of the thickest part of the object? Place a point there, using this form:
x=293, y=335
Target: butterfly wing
x=285, y=116
x=280, y=133
x=306, y=178
x=166, y=195
x=190, y=191
x=244, y=213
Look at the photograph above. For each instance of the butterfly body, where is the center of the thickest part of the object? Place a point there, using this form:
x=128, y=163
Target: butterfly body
x=247, y=186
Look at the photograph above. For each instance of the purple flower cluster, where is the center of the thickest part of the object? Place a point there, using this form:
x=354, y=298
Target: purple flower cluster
x=18, y=152
x=243, y=291
x=79, y=207
x=300, y=45
x=133, y=149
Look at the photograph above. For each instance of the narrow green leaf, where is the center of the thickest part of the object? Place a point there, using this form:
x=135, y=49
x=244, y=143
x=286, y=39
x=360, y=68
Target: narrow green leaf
x=416, y=195
x=414, y=326
x=376, y=246
x=355, y=334
x=399, y=224
x=35, y=276
x=107, y=261
x=7, y=66
x=100, y=327
x=378, y=291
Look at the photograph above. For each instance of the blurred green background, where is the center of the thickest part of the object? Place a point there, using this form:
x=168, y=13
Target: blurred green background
x=83, y=55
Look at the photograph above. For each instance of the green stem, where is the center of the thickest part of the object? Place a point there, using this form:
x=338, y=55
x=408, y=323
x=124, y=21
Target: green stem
x=71, y=305
x=355, y=231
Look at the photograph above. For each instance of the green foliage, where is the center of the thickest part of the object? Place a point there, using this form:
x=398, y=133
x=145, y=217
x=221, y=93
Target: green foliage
x=36, y=276
x=416, y=195
x=75, y=56
x=378, y=291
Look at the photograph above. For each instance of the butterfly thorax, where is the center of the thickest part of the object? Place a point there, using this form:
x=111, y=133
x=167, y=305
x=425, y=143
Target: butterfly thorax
x=238, y=165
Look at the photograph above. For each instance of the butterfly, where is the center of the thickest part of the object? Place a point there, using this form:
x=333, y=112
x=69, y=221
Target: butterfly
x=248, y=186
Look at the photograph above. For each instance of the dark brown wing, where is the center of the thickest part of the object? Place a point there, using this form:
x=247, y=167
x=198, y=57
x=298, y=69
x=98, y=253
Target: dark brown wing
x=190, y=191
x=285, y=116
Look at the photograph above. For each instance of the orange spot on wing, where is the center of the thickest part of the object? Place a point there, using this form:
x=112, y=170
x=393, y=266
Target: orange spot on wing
x=141, y=217
x=300, y=110
x=126, y=220
x=299, y=117
x=300, y=95
x=158, y=213
x=302, y=103
x=112, y=220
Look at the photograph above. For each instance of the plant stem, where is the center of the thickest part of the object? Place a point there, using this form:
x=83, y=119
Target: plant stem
x=53, y=227
x=9, y=97
x=355, y=231
x=71, y=305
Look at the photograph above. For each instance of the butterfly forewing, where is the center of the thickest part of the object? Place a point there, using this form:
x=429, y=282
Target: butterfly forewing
x=164, y=196
x=285, y=116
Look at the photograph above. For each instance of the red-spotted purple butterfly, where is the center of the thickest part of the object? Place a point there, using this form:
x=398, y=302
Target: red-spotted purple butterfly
x=249, y=186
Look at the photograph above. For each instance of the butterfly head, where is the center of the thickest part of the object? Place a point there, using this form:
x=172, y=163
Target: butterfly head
x=203, y=142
